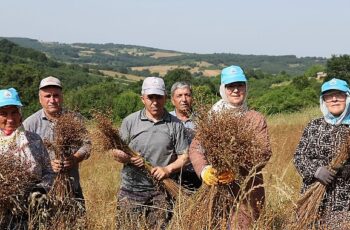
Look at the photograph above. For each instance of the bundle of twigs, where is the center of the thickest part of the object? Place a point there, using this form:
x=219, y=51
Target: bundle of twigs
x=69, y=134
x=229, y=142
x=110, y=138
x=214, y=207
x=230, y=145
x=65, y=211
x=16, y=180
x=196, y=211
x=307, y=210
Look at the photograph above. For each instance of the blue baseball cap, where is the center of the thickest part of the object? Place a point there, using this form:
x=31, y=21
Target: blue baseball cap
x=232, y=74
x=335, y=84
x=9, y=97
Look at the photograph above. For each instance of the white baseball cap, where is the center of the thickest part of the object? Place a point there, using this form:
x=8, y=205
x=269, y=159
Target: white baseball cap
x=50, y=81
x=153, y=85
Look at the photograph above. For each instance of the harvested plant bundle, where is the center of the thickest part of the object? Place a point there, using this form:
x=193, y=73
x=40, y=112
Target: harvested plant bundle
x=109, y=138
x=208, y=208
x=16, y=180
x=216, y=207
x=229, y=142
x=66, y=212
x=69, y=135
x=307, y=210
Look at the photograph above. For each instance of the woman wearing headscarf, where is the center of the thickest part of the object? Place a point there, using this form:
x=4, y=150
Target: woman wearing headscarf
x=26, y=149
x=319, y=145
x=233, y=91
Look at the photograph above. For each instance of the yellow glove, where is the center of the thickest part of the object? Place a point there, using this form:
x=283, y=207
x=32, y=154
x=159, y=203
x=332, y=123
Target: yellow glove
x=209, y=176
x=226, y=177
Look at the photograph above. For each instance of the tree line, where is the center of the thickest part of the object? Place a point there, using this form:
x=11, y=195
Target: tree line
x=85, y=89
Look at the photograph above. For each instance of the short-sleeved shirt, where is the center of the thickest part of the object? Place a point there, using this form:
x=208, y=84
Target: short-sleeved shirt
x=41, y=125
x=189, y=127
x=158, y=142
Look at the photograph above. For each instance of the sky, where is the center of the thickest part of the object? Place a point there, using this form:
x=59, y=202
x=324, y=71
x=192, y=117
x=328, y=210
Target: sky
x=271, y=27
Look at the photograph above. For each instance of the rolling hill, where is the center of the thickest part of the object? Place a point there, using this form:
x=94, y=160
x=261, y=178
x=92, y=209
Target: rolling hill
x=131, y=58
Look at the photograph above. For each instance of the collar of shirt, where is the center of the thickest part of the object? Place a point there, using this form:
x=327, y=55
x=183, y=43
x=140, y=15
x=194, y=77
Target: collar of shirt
x=187, y=120
x=44, y=117
x=166, y=116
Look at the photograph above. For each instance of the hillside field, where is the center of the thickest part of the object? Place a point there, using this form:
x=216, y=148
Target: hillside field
x=100, y=174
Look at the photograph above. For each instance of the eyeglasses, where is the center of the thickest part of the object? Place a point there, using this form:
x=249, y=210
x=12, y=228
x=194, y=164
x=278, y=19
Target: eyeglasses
x=232, y=86
x=339, y=96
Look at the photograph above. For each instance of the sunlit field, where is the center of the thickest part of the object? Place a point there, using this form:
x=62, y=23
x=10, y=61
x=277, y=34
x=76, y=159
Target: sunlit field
x=100, y=174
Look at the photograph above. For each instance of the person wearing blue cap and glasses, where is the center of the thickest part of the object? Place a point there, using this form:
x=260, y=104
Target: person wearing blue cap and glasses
x=233, y=91
x=15, y=142
x=318, y=146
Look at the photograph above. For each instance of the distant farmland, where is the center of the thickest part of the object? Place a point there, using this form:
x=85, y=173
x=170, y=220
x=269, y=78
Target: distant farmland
x=129, y=77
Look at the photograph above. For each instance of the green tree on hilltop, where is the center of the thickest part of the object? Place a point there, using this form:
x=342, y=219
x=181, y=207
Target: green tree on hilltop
x=176, y=75
x=339, y=67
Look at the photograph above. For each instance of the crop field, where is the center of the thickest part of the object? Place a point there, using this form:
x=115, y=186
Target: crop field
x=165, y=54
x=129, y=77
x=163, y=69
x=100, y=174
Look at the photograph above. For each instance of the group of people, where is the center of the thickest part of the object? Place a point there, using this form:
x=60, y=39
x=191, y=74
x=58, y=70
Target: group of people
x=167, y=141
x=30, y=140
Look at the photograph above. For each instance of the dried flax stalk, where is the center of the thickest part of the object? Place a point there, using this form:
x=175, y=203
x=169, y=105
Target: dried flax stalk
x=110, y=138
x=307, y=210
x=229, y=144
x=69, y=136
x=69, y=133
x=16, y=181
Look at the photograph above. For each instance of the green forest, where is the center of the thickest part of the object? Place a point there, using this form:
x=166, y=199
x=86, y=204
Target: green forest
x=271, y=89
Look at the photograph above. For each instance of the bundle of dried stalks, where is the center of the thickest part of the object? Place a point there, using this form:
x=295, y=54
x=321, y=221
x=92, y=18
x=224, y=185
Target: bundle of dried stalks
x=16, y=180
x=307, y=210
x=65, y=212
x=209, y=208
x=109, y=138
x=229, y=142
x=69, y=133
x=216, y=207
x=65, y=215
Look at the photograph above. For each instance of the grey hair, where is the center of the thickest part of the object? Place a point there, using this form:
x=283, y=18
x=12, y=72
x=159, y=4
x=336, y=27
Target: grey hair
x=180, y=85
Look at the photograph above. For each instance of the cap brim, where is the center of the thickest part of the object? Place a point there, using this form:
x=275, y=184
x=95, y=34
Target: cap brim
x=343, y=89
x=11, y=103
x=228, y=81
x=154, y=91
x=47, y=85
